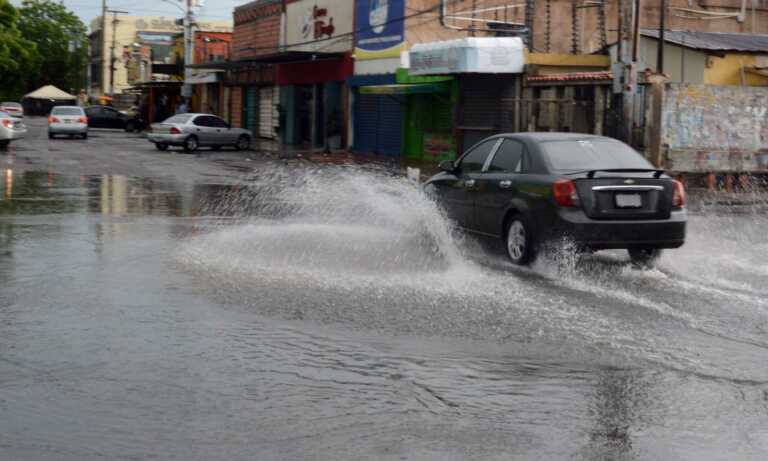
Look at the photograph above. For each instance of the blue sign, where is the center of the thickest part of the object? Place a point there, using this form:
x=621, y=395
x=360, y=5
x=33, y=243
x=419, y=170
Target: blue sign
x=380, y=29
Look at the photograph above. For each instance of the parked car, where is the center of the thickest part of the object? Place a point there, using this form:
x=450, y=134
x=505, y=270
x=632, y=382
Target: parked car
x=11, y=128
x=531, y=188
x=13, y=109
x=69, y=120
x=109, y=117
x=194, y=130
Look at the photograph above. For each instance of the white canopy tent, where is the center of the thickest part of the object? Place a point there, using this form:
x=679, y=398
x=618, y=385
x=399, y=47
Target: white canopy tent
x=50, y=92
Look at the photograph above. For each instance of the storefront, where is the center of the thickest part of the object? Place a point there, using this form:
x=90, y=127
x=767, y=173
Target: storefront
x=257, y=98
x=488, y=73
x=313, y=101
x=377, y=119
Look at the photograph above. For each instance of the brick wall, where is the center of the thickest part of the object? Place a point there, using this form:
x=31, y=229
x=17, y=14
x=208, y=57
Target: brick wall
x=257, y=29
x=236, y=96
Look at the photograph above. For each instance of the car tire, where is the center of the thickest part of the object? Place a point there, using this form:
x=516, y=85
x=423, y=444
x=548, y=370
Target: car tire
x=50, y=135
x=4, y=144
x=129, y=128
x=85, y=135
x=191, y=144
x=161, y=146
x=645, y=258
x=243, y=143
x=518, y=241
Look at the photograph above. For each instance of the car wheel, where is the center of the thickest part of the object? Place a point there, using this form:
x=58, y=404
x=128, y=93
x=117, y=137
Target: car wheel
x=519, y=241
x=50, y=135
x=85, y=135
x=644, y=257
x=243, y=143
x=4, y=144
x=160, y=146
x=191, y=144
x=129, y=128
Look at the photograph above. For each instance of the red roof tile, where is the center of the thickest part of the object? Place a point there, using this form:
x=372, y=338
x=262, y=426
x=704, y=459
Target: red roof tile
x=572, y=77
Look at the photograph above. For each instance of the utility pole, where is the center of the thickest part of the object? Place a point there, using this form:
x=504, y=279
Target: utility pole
x=103, y=43
x=662, y=27
x=626, y=71
x=189, y=19
x=112, y=57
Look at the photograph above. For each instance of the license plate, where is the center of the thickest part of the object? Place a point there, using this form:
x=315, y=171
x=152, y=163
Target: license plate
x=629, y=200
x=67, y=121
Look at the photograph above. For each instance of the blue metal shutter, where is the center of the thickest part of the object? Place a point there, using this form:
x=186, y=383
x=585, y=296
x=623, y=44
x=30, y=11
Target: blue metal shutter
x=390, y=126
x=366, y=122
x=378, y=124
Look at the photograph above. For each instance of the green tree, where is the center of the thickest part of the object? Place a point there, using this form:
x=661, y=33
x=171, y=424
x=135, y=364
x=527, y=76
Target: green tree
x=62, y=44
x=18, y=57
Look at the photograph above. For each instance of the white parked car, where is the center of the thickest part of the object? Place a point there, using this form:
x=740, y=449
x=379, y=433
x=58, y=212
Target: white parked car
x=68, y=120
x=195, y=130
x=11, y=128
x=13, y=109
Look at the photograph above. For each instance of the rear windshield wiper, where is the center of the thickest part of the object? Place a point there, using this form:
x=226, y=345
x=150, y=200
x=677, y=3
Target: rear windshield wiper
x=591, y=173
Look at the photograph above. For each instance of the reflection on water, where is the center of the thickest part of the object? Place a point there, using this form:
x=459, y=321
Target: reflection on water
x=45, y=192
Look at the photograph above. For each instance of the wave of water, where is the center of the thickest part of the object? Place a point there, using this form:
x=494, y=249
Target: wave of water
x=368, y=249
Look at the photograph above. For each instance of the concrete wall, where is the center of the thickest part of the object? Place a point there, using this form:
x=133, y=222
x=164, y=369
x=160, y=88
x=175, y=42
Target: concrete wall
x=715, y=128
x=729, y=70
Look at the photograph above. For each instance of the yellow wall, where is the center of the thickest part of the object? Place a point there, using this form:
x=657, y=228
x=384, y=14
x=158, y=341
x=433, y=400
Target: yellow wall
x=728, y=71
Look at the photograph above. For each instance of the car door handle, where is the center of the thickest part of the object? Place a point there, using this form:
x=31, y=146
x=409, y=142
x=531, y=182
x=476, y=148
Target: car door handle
x=506, y=184
x=469, y=183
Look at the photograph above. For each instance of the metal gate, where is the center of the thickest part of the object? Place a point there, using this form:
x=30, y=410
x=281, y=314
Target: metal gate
x=480, y=114
x=250, y=113
x=267, y=112
x=378, y=124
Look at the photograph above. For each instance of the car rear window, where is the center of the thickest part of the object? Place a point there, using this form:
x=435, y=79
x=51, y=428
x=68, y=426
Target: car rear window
x=592, y=154
x=11, y=104
x=181, y=118
x=67, y=111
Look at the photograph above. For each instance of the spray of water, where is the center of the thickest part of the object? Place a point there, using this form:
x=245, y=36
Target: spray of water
x=369, y=249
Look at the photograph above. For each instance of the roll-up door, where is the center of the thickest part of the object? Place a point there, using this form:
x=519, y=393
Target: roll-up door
x=250, y=113
x=481, y=107
x=378, y=124
x=267, y=112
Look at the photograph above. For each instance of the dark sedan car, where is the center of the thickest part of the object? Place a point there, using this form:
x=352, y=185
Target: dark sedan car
x=109, y=117
x=531, y=188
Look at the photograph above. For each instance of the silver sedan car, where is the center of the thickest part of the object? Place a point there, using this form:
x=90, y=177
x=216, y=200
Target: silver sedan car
x=11, y=128
x=191, y=131
x=68, y=120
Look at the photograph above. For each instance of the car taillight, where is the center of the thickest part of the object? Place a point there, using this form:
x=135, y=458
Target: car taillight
x=53, y=119
x=7, y=123
x=565, y=193
x=175, y=130
x=82, y=120
x=678, y=196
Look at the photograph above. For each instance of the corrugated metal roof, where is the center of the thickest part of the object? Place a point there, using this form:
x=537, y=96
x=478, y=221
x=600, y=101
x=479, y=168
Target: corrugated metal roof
x=571, y=77
x=713, y=41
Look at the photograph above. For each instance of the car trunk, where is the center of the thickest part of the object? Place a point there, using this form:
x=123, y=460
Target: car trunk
x=161, y=128
x=68, y=119
x=626, y=197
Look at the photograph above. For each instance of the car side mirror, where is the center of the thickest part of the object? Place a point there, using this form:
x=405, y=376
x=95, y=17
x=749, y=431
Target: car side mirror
x=447, y=165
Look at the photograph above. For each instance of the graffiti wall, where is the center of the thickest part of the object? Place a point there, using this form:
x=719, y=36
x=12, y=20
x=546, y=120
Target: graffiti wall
x=715, y=128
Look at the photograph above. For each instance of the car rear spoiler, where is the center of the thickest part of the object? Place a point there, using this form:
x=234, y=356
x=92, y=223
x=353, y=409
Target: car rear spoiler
x=591, y=173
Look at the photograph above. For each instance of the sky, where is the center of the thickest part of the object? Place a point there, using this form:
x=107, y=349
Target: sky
x=89, y=9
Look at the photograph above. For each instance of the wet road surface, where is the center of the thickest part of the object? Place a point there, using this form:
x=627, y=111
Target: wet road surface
x=184, y=307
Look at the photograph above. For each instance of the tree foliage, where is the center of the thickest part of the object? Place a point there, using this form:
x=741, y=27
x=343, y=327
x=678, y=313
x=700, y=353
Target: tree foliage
x=18, y=56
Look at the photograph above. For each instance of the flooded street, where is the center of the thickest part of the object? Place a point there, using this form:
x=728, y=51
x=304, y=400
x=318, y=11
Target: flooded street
x=191, y=308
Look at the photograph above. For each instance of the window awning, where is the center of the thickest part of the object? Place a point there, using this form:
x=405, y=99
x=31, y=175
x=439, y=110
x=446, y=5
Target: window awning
x=405, y=88
x=274, y=58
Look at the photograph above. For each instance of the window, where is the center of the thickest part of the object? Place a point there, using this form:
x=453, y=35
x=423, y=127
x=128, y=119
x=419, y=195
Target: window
x=475, y=159
x=67, y=111
x=217, y=122
x=179, y=119
x=204, y=120
x=592, y=154
x=508, y=158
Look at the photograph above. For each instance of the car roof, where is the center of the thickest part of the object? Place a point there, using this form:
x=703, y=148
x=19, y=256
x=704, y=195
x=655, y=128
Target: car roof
x=9, y=103
x=544, y=136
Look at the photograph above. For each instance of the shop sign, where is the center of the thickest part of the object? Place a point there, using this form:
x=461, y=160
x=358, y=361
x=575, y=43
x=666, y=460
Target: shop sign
x=380, y=29
x=319, y=25
x=439, y=146
x=487, y=55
